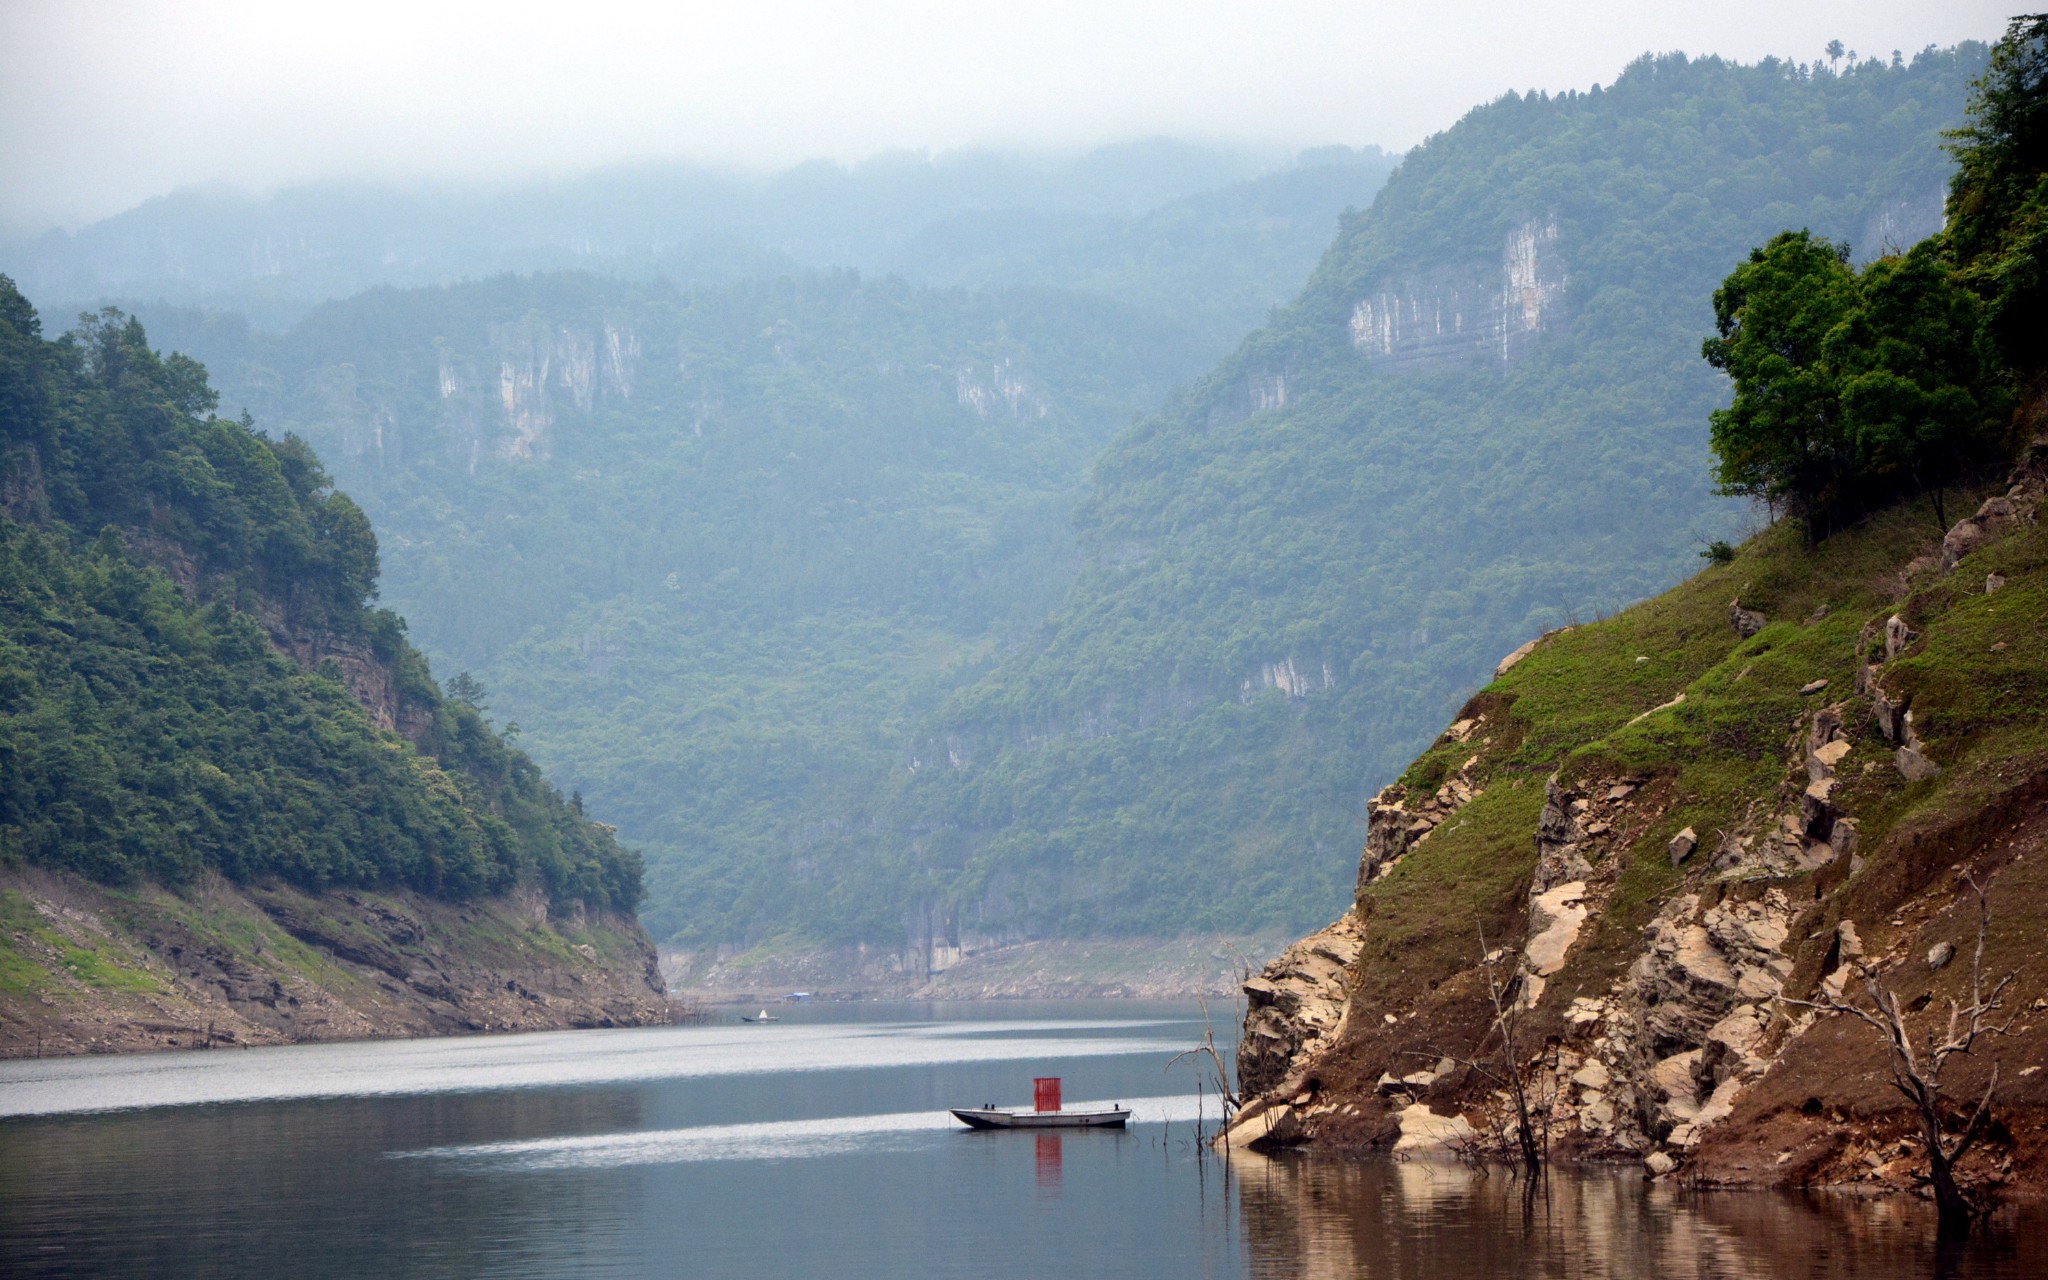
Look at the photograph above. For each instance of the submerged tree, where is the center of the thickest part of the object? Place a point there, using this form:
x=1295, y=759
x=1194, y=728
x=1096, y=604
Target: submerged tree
x=1917, y=1064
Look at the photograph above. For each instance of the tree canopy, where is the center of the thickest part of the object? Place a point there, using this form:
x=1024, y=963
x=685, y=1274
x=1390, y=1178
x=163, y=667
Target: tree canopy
x=155, y=559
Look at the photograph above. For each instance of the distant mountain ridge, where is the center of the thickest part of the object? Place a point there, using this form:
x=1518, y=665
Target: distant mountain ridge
x=272, y=256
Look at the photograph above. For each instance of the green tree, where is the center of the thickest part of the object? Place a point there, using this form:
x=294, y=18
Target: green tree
x=1917, y=405
x=1783, y=439
x=1998, y=199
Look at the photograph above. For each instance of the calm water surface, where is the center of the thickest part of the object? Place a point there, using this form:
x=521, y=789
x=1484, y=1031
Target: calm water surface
x=814, y=1147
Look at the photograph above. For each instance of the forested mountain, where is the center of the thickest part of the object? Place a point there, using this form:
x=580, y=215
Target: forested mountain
x=763, y=567
x=1809, y=782
x=195, y=679
x=232, y=797
x=717, y=551
x=1480, y=421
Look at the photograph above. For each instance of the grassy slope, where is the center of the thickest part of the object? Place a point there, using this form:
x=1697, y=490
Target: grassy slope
x=1574, y=704
x=1590, y=705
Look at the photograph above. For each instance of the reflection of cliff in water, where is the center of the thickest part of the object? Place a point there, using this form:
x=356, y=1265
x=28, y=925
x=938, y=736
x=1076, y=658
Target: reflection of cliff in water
x=1312, y=1218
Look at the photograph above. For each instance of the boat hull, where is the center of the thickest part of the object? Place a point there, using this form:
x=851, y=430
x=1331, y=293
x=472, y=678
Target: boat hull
x=998, y=1118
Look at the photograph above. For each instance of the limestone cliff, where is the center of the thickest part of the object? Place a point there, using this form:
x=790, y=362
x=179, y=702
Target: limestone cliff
x=1661, y=837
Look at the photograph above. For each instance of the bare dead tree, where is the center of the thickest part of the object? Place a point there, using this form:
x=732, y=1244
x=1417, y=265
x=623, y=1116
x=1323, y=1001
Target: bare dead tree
x=1917, y=1064
x=1218, y=1071
x=1503, y=1068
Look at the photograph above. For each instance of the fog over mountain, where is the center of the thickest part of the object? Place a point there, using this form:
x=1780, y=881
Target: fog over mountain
x=102, y=108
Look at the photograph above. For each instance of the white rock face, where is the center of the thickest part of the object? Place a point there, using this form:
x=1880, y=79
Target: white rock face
x=1295, y=1007
x=1426, y=1134
x=1555, y=919
x=1451, y=314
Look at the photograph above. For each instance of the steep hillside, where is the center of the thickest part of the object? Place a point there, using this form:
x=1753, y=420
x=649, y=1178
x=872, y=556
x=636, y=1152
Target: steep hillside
x=1663, y=822
x=199, y=711
x=1748, y=881
x=1480, y=421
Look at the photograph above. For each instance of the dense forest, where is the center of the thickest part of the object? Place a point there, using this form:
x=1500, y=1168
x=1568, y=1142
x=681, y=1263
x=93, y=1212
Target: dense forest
x=802, y=577
x=1481, y=421
x=161, y=568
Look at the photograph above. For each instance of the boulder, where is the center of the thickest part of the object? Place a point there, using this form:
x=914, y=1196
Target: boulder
x=1747, y=622
x=1682, y=845
x=1507, y=663
x=1915, y=765
x=1426, y=1134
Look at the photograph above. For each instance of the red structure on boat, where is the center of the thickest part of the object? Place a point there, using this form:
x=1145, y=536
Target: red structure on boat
x=1045, y=1093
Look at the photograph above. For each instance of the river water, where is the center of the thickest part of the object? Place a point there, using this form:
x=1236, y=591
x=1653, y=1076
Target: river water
x=817, y=1146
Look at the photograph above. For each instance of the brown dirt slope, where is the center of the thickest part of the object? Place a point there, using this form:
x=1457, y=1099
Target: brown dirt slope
x=85, y=968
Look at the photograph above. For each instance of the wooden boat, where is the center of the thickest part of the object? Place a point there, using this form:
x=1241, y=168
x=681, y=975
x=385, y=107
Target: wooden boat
x=1044, y=1113
x=763, y=1016
x=1025, y=1118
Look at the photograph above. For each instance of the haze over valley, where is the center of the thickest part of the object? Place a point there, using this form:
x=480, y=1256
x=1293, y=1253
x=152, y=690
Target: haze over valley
x=1452, y=530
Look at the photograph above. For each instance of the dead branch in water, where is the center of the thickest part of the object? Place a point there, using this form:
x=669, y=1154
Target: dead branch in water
x=1916, y=1066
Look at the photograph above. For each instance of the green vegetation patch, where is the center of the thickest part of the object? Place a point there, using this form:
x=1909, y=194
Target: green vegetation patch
x=32, y=951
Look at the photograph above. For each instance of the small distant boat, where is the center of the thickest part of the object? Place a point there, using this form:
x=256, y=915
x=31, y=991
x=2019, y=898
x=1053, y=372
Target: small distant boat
x=1044, y=1113
x=1025, y=1118
x=763, y=1016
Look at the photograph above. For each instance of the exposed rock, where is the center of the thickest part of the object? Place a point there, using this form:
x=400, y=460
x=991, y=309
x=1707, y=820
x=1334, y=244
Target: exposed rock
x=1659, y=1163
x=1506, y=664
x=1848, y=944
x=1914, y=764
x=1812, y=687
x=1296, y=1005
x=1992, y=582
x=1890, y=716
x=1558, y=836
x=1747, y=622
x=1426, y=1134
x=1262, y=1124
x=216, y=963
x=1555, y=919
x=1940, y=954
x=1825, y=759
x=1969, y=534
x=1897, y=636
x=1682, y=845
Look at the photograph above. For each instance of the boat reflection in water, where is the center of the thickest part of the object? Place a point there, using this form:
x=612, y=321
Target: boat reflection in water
x=1310, y=1217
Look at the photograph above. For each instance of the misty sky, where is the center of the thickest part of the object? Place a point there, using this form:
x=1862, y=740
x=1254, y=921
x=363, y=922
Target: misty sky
x=105, y=104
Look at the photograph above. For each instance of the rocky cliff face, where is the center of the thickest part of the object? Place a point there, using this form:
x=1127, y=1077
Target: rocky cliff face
x=1661, y=838
x=88, y=969
x=1453, y=313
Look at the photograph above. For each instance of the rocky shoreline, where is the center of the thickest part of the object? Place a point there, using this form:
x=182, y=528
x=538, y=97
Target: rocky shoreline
x=1663, y=946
